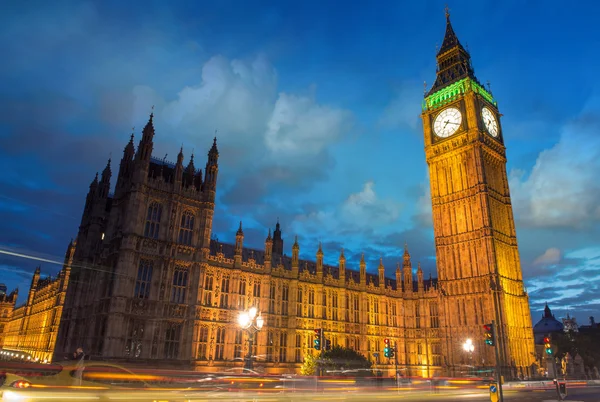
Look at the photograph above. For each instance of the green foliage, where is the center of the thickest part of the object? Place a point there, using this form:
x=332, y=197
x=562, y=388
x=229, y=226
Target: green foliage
x=339, y=358
x=586, y=344
x=309, y=367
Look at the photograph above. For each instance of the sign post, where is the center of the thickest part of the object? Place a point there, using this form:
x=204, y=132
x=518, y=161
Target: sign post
x=494, y=392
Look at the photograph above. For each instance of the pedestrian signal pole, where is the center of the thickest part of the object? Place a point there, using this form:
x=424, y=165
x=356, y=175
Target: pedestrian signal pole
x=491, y=339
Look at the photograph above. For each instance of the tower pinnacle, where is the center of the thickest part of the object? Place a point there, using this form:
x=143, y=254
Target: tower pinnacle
x=453, y=61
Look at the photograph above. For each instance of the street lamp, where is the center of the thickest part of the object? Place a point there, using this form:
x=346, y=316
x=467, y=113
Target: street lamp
x=250, y=321
x=469, y=348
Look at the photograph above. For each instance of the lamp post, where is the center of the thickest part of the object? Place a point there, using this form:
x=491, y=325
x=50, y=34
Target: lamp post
x=469, y=348
x=250, y=321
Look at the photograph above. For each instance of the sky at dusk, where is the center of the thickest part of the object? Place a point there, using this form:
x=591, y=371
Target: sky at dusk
x=317, y=106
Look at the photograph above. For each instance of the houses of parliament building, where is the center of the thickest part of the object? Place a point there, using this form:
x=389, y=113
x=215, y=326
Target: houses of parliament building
x=147, y=282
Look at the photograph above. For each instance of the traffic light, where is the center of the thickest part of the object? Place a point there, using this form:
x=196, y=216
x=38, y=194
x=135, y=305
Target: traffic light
x=489, y=337
x=392, y=352
x=548, y=345
x=386, y=348
x=327, y=345
x=317, y=340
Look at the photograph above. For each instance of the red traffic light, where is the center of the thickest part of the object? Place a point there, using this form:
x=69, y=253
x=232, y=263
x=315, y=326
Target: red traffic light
x=317, y=332
x=488, y=327
x=546, y=339
x=386, y=341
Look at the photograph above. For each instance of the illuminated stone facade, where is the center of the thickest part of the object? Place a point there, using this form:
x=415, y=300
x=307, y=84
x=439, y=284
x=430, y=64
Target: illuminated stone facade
x=33, y=327
x=151, y=285
x=478, y=262
x=7, y=305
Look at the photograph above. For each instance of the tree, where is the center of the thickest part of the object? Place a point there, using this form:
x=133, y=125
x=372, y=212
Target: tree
x=339, y=358
x=309, y=366
x=584, y=344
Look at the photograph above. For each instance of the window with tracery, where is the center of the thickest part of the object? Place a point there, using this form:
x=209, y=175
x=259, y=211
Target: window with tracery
x=179, y=286
x=237, y=346
x=153, y=220
x=143, y=281
x=186, y=229
x=272, y=291
x=224, y=301
x=220, y=344
x=285, y=296
x=202, y=343
x=208, y=290
x=283, y=347
x=172, y=336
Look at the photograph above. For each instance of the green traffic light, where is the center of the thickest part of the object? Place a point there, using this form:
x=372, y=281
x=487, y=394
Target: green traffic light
x=549, y=351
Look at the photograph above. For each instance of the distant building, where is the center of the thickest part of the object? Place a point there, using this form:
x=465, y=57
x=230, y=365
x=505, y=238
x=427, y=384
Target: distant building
x=570, y=324
x=7, y=305
x=32, y=328
x=546, y=326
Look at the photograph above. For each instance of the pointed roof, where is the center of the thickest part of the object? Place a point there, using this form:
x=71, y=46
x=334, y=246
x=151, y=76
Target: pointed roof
x=450, y=38
x=148, y=131
x=106, y=173
x=453, y=61
x=213, y=149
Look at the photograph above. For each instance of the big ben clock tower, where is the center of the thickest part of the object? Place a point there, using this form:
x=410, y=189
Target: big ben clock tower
x=478, y=263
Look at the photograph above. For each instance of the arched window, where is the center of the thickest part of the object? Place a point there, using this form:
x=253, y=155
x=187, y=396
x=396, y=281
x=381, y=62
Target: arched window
x=153, y=220
x=186, y=230
x=5, y=314
x=179, y=289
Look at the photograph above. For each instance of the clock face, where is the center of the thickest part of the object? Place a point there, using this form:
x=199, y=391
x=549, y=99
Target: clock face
x=490, y=122
x=447, y=122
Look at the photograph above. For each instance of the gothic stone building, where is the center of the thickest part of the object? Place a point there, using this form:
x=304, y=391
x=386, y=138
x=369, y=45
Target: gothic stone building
x=31, y=328
x=151, y=285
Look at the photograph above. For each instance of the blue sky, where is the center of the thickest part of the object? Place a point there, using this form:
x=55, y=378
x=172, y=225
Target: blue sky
x=317, y=108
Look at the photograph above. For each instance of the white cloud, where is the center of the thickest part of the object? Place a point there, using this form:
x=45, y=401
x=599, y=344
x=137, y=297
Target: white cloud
x=550, y=257
x=360, y=212
x=562, y=189
x=235, y=96
x=258, y=125
x=300, y=126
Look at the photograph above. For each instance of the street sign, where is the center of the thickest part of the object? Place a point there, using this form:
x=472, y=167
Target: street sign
x=493, y=392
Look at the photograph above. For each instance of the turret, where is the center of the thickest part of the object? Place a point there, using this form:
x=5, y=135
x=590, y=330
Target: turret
x=35, y=279
x=381, y=272
x=320, y=262
x=211, y=171
x=277, y=240
x=89, y=199
x=198, y=180
x=407, y=270
x=104, y=185
x=239, y=246
x=146, y=145
x=179, y=169
x=398, y=277
x=295, y=256
x=420, y=285
x=363, y=270
x=190, y=171
x=268, y=251
x=126, y=167
x=342, y=267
